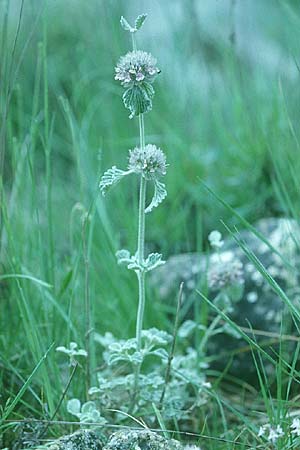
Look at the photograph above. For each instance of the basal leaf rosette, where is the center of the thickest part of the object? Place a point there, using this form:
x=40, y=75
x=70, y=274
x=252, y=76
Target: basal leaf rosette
x=137, y=71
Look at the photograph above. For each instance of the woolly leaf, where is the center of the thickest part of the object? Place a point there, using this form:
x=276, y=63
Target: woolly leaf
x=160, y=194
x=187, y=328
x=125, y=25
x=111, y=177
x=153, y=336
x=73, y=406
x=139, y=21
x=153, y=261
x=138, y=99
x=161, y=353
x=88, y=407
x=123, y=256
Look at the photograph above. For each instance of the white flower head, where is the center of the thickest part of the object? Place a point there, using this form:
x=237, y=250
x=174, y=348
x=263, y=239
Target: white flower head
x=271, y=433
x=150, y=161
x=225, y=274
x=136, y=67
x=215, y=239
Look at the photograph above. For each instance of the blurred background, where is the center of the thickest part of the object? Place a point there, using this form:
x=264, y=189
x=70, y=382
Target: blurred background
x=226, y=113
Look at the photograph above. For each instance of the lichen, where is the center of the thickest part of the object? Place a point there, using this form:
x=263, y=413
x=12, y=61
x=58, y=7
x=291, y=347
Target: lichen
x=140, y=440
x=80, y=440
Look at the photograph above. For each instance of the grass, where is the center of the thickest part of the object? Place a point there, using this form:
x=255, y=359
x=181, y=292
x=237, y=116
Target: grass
x=221, y=115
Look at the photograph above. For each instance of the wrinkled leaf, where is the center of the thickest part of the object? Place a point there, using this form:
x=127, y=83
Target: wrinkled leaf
x=138, y=99
x=186, y=328
x=139, y=21
x=123, y=256
x=153, y=260
x=111, y=177
x=88, y=407
x=153, y=336
x=160, y=194
x=161, y=353
x=125, y=25
x=73, y=406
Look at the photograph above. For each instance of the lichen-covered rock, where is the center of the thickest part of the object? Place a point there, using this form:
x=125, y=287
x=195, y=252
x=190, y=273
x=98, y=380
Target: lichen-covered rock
x=80, y=440
x=140, y=440
x=256, y=304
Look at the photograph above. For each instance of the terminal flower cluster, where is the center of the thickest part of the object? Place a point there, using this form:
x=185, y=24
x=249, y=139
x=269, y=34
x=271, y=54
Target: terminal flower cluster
x=136, y=67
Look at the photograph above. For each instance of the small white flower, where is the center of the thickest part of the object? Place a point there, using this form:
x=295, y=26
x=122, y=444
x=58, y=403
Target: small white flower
x=273, y=433
x=252, y=297
x=296, y=426
x=215, y=239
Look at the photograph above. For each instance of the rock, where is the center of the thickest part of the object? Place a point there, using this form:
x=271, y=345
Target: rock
x=256, y=303
x=140, y=439
x=80, y=440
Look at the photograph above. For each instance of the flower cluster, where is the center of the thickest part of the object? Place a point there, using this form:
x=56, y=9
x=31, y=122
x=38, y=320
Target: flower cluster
x=271, y=433
x=150, y=161
x=136, y=67
x=225, y=274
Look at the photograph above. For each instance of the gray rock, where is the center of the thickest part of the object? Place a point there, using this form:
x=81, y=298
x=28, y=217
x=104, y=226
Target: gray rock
x=256, y=304
x=80, y=440
x=140, y=439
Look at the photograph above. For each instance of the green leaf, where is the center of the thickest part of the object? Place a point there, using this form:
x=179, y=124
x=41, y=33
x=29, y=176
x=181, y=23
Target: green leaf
x=126, y=26
x=88, y=407
x=161, y=353
x=123, y=256
x=111, y=177
x=73, y=406
x=139, y=21
x=153, y=336
x=138, y=99
x=186, y=329
x=153, y=261
x=160, y=194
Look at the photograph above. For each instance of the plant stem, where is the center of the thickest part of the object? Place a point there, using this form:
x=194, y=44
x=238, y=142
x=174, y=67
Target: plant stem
x=140, y=254
x=141, y=274
x=140, y=250
x=87, y=302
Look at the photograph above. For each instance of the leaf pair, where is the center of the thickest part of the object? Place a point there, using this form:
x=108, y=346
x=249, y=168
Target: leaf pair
x=137, y=24
x=112, y=177
x=153, y=260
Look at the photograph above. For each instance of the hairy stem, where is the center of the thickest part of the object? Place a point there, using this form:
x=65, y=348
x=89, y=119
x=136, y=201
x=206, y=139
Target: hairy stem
x=140, y=255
